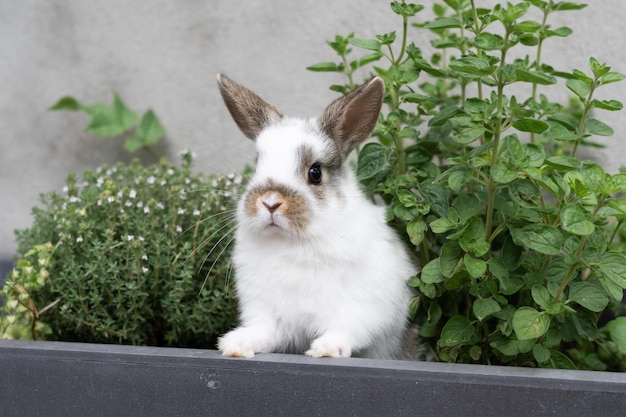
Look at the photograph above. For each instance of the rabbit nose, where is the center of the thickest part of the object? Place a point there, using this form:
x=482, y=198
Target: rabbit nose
x=272, y=207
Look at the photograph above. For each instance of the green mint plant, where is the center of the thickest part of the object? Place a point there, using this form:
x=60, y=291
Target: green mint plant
x=127, y=254
x=519, y=241
x=117, y=119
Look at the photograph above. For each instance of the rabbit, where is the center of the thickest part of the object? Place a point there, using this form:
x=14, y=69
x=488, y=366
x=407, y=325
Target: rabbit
x=317, y=269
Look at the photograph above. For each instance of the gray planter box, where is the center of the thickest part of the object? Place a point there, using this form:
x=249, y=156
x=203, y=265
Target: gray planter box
x=74, y=379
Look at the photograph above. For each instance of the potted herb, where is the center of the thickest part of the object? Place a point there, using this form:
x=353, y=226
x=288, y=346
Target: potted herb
x=519, y=240
x=127, y=254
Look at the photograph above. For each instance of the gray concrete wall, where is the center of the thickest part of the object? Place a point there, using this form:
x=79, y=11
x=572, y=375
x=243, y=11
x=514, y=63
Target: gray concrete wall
x=165, y=54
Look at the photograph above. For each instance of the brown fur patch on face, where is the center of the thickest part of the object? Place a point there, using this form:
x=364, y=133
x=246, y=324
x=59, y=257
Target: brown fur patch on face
x=293, y=206
x=331, y=164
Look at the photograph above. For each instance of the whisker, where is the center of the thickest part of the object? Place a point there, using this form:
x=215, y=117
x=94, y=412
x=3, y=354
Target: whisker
x=213, y=190
x=224, y=224
x=196, y=224
x=217, y=258
x=229, y=273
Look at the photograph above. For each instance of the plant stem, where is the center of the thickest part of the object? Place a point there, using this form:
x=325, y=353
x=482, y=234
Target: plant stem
x=546, y=12
x=497, y=131
x=463, y=53
x=395, y=101
x=479, y=52
x=583, y=118
x=397, y=124
x=348, y=70
x=150, y=151
x=579, y=250
x=572, y=269
x=405, y=21
x=619, y=224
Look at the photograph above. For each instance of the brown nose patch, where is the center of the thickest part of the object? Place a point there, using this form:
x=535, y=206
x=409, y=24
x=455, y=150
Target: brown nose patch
x=280, y=200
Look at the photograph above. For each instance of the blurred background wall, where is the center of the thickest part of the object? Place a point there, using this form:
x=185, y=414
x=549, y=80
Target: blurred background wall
x=164, y=55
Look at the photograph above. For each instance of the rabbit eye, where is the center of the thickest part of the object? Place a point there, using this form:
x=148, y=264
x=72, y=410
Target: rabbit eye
x=315, y=174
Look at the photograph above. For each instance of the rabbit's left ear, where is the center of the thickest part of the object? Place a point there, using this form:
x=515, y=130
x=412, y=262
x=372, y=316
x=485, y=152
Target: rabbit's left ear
x=251, y=113
x=350, y=119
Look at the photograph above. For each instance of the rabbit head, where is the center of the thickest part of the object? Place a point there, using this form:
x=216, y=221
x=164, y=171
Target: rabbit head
x=301, y=178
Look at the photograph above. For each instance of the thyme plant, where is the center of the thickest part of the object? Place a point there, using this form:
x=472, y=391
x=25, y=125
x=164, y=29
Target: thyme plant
x=518, y=239
x=127, y=254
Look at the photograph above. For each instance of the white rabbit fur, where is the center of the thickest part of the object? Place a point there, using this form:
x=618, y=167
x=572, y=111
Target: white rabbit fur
x=317, y=269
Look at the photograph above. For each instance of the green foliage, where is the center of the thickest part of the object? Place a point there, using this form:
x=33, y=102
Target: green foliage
x=136, y=255
x=117, y=119
x=520, y=242
x=19, y=319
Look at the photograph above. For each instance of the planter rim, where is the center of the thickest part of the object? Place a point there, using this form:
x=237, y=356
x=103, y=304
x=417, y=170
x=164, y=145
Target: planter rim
x=79, y=379
x=142, y=353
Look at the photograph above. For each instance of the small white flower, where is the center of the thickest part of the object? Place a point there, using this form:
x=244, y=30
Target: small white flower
x=130, y=237
x=128, y=203
x=74, y=199
x=99, y=203
x=187, y=151
x=181, y=211
x=110, y=199
x=142, y=239
x=65, y=189
x=79, y=239
x=170, y=171
x=187, y=180
x=100, y=181
x=144, y=269
x=146, y=210
x=163, y=182
x=196, y=212
x=140, y=204
x=179, y=229
x=144, y=257
x=150, y=179
x=132, y=193
x=160, y=205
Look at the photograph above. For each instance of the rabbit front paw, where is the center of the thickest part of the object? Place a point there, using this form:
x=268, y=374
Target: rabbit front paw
x=241, y=343
x=330, y=345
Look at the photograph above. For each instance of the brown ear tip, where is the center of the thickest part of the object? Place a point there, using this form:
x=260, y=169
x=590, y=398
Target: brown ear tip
x=222, y=79
x=378, y=81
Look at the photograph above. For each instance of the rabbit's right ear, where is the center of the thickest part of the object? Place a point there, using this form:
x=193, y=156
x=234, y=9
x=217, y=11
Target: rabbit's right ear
x=251, y=113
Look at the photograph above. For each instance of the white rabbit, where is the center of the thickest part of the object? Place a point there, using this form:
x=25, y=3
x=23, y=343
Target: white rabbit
x=317, y=269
